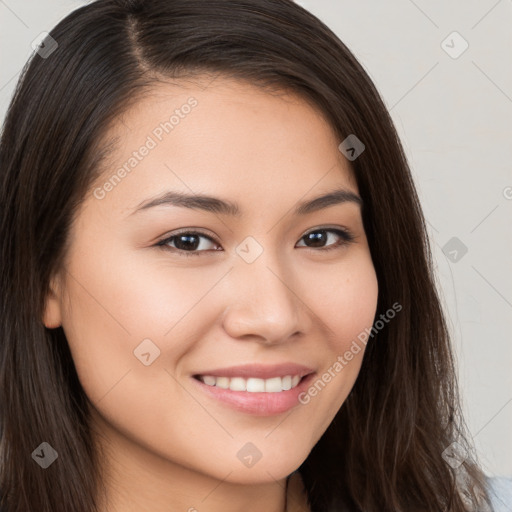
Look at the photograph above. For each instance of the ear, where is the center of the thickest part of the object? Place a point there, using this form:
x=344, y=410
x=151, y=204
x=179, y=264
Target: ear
x=52, y=311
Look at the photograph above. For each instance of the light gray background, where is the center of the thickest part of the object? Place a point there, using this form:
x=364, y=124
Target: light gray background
x=454, y=116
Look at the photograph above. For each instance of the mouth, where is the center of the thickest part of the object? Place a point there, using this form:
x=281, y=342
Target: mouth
x=254, y=395
x=252, y=384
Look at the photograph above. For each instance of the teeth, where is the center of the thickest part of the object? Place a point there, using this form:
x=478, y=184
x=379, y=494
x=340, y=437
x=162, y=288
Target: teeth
x=252, y=385
x=207, y=379
x=222, y=382
x=235, y=384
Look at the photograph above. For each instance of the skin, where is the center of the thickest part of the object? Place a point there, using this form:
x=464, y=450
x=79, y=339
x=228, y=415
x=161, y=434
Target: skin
x=168, y=446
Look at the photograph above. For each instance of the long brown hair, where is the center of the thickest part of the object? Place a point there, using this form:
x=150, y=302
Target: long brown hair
x=384, y=451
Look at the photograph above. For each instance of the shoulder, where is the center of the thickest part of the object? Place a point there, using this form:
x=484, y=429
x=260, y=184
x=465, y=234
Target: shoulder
x=500, y=490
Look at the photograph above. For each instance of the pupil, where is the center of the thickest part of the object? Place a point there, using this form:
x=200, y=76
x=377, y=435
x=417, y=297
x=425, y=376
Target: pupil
x=317, y=236
x=187, y=245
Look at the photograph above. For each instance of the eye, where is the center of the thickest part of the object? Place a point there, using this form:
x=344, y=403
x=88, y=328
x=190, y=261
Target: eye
x=188, y=243
x=320, y=235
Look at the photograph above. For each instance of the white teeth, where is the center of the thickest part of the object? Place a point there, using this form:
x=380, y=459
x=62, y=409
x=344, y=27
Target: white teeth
x=253, y=385
x=273, y=385
x=207, y=379
x=222, y=382
x=236, y=384
x=287, y=382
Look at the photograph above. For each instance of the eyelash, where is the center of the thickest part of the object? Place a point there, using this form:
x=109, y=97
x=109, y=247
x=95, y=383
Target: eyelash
x=346, y=238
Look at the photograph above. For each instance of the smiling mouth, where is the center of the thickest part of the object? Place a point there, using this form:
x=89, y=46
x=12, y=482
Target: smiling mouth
x=252, y=384
x=255, y=395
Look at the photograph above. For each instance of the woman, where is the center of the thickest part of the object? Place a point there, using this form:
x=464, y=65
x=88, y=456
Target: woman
x=217, y=290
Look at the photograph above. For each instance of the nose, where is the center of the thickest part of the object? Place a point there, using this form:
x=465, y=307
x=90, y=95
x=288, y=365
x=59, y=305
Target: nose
x=263, y=305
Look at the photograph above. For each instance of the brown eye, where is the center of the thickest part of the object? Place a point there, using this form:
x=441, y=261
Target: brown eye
x=319, y=237
x=186, y=242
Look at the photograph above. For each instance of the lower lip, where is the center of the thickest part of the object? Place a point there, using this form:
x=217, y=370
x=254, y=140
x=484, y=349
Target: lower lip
x=261, y=404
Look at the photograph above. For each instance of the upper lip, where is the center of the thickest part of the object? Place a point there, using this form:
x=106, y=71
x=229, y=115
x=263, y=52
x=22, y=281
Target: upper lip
x=261, y=371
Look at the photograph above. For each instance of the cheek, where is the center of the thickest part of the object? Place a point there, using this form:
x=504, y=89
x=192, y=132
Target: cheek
x=118, y=299
x=356, y=307
x=119, y=309
x=353, y=319
x=345, y=299
x=111, y=317
x=348, y=303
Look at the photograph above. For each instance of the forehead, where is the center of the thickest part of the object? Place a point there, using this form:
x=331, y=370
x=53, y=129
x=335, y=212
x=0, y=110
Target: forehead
x=226, y=136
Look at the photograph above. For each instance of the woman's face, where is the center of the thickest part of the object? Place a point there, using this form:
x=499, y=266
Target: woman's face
x=145, y=309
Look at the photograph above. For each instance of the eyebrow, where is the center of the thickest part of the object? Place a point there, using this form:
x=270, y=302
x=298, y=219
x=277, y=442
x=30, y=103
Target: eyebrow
x=223, y=207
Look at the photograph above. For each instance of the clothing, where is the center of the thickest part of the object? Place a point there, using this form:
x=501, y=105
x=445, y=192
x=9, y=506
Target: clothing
x=500, y=493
